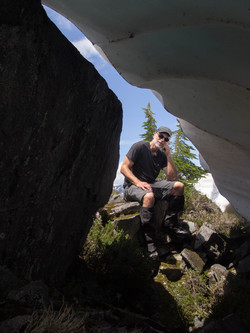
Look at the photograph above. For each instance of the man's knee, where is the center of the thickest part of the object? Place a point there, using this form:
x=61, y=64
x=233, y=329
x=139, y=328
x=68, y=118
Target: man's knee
x=178, y=189
x=148, y=200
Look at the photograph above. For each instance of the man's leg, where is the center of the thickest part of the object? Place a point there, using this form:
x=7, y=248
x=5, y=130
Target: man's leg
x=176, y=201
x=147, y=201
x=147, y=221
x=174, y=210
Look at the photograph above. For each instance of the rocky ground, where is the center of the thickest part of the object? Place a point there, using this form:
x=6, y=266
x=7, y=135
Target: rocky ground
x=200, y=284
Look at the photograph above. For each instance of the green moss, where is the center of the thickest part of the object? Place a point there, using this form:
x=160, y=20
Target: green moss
x=127, y=216
x=167, y=307
x=191, y=296
x=108, y=207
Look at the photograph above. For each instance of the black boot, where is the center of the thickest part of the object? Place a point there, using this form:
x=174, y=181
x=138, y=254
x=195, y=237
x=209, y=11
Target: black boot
x=148, y=228
x=175, y=208
x=171, y=222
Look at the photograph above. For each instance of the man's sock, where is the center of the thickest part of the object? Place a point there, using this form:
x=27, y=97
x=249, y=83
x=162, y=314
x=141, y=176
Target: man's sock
x=147, y=222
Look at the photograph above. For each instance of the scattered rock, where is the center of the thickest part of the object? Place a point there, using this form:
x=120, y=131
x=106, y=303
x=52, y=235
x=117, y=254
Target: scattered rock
x=210, y=242
x=193, y=259
x=203, y=235
x=198, y=322
x=217, y=273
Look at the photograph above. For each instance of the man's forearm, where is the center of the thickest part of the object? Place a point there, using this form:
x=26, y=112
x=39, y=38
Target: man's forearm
x=171, y=170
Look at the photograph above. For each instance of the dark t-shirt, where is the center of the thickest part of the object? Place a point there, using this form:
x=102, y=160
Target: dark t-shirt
x=146, y=165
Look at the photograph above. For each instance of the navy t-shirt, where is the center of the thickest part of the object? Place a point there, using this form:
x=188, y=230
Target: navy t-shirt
x=146, y=165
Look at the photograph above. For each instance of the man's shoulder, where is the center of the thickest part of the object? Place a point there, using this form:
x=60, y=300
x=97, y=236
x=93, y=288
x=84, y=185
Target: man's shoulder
x=141, y=144
x=138, y=149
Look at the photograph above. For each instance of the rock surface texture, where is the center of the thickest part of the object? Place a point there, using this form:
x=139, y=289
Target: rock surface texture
x=195, y=56
x=59, y=124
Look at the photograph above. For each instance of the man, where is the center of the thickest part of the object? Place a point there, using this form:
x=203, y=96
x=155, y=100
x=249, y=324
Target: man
x=140, y=167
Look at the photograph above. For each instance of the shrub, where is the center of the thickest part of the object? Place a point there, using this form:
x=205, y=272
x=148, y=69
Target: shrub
x=115, y=258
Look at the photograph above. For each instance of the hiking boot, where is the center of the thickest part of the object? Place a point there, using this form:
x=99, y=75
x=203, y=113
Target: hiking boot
x=170, y=219
x=176, y=229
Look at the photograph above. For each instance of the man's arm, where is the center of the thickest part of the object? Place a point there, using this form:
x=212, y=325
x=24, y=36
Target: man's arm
x=126, y=171
x=170, y=170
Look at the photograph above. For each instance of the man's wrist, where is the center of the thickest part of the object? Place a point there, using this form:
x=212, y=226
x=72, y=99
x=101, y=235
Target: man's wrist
x=137, y=182
x=168, y=155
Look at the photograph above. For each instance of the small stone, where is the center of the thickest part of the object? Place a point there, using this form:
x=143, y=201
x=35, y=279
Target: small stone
x=198, y=322
x=217, y=273
x=193, y=259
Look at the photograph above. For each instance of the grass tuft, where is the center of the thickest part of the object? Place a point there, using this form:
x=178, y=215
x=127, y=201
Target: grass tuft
x=50, y=321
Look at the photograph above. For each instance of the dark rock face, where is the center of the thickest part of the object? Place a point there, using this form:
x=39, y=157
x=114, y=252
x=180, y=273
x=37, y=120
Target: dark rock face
x=59, y=144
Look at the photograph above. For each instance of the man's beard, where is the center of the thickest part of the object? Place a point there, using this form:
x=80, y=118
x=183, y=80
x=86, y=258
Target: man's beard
x=157, y=144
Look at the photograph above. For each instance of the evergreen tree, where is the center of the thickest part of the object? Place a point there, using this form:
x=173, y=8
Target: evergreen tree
x=182, y=153
x=149, y=125
x=183, y=156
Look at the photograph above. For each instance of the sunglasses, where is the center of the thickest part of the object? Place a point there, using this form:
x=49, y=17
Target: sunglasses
x=163, y=137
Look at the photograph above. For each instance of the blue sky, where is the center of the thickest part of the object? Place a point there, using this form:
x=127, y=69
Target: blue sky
x=133, y=99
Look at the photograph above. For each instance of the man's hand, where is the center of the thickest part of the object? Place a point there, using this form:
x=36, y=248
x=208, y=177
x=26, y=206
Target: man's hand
x=144, y=186
x=166, y=148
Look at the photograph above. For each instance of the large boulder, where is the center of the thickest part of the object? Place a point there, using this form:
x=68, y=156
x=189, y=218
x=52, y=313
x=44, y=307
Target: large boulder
x=59, y=144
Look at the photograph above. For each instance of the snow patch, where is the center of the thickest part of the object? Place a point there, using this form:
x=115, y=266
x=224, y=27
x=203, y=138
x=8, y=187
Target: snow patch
x=206, y=186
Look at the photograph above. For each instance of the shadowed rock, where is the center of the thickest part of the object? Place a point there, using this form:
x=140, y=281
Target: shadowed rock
x=59, y=144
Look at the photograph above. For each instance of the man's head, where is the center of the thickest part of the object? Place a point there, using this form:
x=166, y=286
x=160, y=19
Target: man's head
x=162, y=135
x=164, y=129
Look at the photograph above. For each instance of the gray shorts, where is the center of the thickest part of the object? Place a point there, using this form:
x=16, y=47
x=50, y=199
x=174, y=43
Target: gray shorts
x=161, y=189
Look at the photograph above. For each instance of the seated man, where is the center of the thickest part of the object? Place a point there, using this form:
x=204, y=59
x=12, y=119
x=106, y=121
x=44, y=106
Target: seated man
x=141, y=167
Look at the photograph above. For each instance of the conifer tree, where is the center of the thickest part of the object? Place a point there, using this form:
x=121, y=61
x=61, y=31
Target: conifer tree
x=149, y=125
x=183, y=156
x=182, y=153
